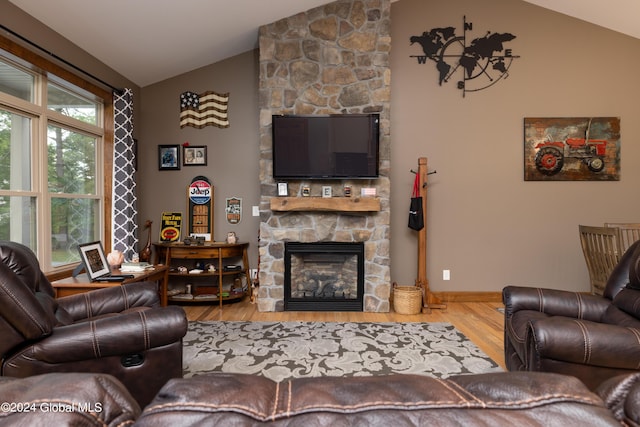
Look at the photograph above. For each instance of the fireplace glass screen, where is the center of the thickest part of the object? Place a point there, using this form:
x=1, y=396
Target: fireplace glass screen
x=324, y=276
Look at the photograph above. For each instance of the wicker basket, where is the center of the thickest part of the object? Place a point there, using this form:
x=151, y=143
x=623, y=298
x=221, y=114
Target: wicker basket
x=407, y=299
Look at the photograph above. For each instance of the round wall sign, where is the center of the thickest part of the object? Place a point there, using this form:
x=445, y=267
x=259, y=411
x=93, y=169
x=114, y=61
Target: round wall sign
x=200, y=192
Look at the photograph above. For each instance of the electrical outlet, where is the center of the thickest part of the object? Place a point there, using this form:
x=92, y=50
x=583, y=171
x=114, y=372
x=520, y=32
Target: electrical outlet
x=256, y=211
x=446, y=274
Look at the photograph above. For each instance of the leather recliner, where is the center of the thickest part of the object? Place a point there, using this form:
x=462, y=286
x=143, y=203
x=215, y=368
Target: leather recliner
x=122, y=331
x=587, y=336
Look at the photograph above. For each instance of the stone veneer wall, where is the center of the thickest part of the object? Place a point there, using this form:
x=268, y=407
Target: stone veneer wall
x=331, y=59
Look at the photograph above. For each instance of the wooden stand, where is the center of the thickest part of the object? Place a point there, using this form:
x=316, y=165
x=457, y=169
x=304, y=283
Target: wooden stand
x=429, y=300
x=207, y=286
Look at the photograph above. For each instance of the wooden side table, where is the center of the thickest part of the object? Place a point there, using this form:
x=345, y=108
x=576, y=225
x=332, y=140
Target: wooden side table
x=81, y=283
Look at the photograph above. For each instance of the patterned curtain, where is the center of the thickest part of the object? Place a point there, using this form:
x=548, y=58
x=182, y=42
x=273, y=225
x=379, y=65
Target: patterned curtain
x=125, y=211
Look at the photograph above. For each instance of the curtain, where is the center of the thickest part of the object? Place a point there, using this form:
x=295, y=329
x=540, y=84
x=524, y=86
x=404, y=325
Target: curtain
x=125, y=211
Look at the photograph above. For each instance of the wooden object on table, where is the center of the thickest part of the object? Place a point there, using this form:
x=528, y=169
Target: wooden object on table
x=145, y=253
x=81, y=283
x=219, y=254
x=429, y=300
x=602, y=251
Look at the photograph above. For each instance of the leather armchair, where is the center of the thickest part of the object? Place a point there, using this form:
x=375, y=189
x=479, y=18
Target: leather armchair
x=72, y=399
x=587, y=336
x=122, y=331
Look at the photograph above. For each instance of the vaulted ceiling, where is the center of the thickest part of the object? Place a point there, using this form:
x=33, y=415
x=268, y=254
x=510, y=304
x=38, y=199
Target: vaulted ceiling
x=151, y=40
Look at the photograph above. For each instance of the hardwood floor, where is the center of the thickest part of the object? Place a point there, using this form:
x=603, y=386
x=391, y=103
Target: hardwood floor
x=481, y=322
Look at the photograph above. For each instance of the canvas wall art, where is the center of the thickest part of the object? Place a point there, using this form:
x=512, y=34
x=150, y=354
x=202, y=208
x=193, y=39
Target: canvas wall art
x=572, y=149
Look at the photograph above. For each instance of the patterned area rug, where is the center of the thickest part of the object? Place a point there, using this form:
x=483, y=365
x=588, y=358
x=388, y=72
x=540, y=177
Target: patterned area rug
x=284, y=350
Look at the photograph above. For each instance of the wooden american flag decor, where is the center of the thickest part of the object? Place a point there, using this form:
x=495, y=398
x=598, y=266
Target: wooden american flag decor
x=205, y=109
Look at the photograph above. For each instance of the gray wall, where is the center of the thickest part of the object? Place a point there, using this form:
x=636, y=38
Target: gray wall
x=486, y=224
x=232, y=153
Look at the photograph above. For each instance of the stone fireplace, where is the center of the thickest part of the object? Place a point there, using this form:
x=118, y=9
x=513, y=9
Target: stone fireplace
x=333, y=59
x=323, y=276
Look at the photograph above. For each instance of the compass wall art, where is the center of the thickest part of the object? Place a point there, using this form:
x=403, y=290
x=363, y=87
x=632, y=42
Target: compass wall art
x=472, y=63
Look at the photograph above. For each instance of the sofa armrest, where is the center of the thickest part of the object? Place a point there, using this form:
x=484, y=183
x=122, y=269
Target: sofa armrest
x=554, y=302
x=121, y=334
x=66, y=399
x=110, y=300
x=621, y=394
x=584, y=342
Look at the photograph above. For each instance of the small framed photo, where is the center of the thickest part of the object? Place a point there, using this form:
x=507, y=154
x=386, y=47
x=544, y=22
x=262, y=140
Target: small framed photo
x=194, y=156
x=168, y=157
x=326, y=191
x=282, y=189
x=306, y=191
x=94, y=260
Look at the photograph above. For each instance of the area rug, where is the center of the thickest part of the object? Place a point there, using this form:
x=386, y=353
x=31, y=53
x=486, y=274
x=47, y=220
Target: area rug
x=285, y=350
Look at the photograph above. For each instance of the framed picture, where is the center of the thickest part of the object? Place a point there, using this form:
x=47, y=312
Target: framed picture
x=94, y=260
x=194, y=156
x=168, y=157
x=282, y=189
x=572, y=149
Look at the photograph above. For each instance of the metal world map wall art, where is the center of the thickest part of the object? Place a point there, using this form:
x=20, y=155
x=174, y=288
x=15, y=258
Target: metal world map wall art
x=474, y=64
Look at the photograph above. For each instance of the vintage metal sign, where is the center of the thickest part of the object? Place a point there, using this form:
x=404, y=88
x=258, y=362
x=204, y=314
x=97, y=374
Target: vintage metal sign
x=200, y=191
x=234, y=210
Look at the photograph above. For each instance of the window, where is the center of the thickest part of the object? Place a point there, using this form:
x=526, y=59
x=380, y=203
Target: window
x=52, y=176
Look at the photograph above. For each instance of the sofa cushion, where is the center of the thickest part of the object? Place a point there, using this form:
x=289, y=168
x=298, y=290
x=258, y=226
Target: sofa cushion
x=522, y=398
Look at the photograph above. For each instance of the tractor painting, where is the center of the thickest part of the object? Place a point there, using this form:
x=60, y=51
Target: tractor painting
x=572, y=148
x=551, y=154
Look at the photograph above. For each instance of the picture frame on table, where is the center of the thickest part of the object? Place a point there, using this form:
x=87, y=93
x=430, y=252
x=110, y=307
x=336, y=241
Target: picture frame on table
x=194, y=155
x=168, y=157
x=94, y=259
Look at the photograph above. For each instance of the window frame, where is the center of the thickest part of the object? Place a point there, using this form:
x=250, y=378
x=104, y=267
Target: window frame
x=44, y=67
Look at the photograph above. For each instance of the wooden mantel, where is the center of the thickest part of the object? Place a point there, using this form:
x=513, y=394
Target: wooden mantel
x=326, y=204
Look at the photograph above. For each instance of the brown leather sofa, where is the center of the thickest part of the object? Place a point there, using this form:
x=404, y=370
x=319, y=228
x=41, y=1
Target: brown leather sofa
x=590, y=337
x=122, y=331
x=496, y=399
x=70, y=399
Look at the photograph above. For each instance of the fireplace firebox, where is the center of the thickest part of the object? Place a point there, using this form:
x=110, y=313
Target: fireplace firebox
x=323, y=276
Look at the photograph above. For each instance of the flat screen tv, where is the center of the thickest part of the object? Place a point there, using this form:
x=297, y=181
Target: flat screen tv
x=335, y=146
